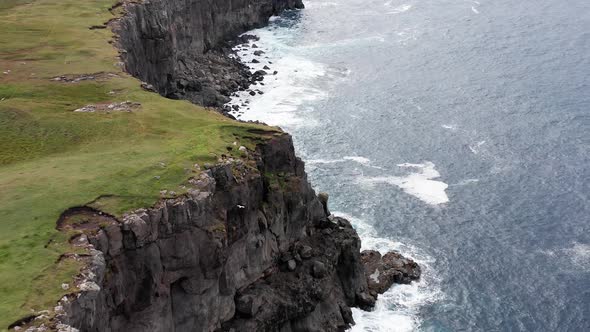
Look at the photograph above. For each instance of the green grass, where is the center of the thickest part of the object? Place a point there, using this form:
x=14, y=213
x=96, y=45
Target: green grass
x=52, y=158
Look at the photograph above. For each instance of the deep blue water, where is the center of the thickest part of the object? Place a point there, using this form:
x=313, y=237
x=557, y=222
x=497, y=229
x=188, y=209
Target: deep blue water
x=457, y=132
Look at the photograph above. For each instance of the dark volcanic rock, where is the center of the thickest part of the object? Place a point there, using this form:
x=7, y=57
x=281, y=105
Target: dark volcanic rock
x=245, y=38
x=319, y=294
x=181, y=49
x=234, y=253
x=384, y=271
x=258, y=75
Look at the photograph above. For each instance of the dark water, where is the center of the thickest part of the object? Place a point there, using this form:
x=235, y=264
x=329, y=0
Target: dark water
x=490, y=103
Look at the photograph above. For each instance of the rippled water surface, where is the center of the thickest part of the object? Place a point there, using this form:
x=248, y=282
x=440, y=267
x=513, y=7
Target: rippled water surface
x=456, y=132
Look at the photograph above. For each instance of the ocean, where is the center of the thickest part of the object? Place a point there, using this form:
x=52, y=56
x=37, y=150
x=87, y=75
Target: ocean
x=454, y=131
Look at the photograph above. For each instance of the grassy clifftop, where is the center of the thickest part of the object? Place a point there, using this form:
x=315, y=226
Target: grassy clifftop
x=52, y=158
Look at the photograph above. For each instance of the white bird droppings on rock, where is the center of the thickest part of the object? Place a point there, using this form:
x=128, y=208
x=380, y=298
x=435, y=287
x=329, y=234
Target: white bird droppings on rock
x=89, y=286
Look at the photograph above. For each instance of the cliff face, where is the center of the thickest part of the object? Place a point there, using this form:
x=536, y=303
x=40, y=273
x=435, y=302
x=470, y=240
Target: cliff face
x=180, y=47
x=249, y=248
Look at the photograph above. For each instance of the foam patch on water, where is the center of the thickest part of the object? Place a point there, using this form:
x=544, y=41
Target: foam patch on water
x=398, y=308
x=420, y=184
x=578, y=255
x=400, y=9
x=347, y=42
x=356, y=159
x=474, y=7
x=318, y=4
x=451, y=127
x=464, y=182
x=365, y=162
x=360, y=160
x=475, y=147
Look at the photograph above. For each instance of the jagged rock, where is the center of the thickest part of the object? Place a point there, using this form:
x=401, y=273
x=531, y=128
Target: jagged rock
x=384, y=271
x=318, y=269
x=126, y=106
x=148, y=87
x=365, y=300
x=248, y=305
x=258, y=75
x=306, y=252
x=323, y=197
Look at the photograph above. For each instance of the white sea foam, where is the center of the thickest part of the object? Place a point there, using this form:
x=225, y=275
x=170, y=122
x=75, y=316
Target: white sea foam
x=475, y=147
x=406, y=35
x=464, y=182
x=579, y=253
x=451, y=127
x=323, y=161
x=317, y=4
x=419, y=184
x=400, y=9
x=283, y=92
x=356, y=159
x=397, y=309
x=575, y=256
x=344, y=42
x=360, y=160
x=474, y=10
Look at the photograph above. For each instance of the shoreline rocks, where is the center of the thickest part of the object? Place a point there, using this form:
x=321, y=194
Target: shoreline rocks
x=382, y=271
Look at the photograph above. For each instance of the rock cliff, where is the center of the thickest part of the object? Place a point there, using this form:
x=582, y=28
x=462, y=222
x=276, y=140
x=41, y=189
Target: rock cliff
x=249, y=246
x=181, y=47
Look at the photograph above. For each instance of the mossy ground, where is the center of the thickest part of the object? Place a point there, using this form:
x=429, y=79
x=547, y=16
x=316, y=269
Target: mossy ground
x=52, y=158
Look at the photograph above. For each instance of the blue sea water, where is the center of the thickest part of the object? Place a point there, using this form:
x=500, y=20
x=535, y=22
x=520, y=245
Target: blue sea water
x=454, y=131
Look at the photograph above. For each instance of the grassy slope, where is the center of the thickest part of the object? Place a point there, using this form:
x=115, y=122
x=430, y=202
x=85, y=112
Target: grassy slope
x=52, y=158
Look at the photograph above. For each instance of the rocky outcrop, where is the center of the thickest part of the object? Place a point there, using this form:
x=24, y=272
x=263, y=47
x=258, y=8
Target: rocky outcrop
x=248, y=248
x=384, y=271
x=181, y=48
